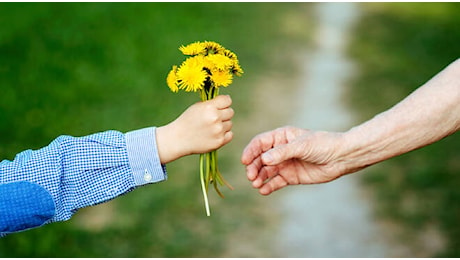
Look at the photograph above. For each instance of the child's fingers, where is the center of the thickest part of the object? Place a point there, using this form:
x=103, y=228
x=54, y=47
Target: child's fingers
x=228, y=137
x=227, y=114
x=227, y=126
x=222, y=101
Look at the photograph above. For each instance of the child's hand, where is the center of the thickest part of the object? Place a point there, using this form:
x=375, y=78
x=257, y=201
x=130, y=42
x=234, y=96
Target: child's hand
x=203, y=127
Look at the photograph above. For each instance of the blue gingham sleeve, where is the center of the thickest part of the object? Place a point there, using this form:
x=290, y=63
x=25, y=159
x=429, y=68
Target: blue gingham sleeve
x=50, y=184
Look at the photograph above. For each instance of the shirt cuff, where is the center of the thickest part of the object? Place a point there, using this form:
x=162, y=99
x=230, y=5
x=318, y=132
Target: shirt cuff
x=143, y=156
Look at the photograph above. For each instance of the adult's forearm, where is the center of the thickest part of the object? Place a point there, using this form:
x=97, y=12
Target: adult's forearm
x=429, y=114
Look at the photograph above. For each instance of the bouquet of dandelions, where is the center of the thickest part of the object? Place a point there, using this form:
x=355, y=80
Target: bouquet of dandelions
x=208, y=67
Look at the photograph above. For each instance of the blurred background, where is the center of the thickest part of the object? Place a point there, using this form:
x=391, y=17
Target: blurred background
x=81, y=68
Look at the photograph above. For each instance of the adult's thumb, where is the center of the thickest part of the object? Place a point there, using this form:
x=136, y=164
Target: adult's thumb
x=278, y=154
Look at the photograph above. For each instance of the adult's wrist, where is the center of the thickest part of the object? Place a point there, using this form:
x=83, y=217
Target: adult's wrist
x=356, y=151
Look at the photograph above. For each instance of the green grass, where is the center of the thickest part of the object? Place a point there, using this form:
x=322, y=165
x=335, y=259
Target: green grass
x=81, y=68
x=400, y=46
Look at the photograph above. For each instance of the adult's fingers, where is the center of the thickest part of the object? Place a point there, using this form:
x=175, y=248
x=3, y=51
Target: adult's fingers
x=258, y=145
x=252, y=169
x=279, y=154
x=266, y=172
x=273, y=184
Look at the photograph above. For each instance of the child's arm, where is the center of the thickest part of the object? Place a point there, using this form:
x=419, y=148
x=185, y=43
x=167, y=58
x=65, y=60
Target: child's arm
x=50, y=184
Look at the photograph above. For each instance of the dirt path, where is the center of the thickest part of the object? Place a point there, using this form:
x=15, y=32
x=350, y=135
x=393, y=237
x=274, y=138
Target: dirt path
x=334, y=219
x=328, y=220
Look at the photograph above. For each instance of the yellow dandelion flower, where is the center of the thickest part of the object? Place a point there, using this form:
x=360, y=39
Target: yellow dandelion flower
x=193, y=49
x=220, y=61
x=191, y=75
x=206, y=62
x=236, y=69
x=194, y=61
x=212, y=47
x=208, y=67
x=171, y=80
x=230, y=54
x=221, y=78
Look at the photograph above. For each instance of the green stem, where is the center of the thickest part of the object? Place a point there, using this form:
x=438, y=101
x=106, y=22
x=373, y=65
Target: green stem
x=203, y=186
x=209, y=171
x=208, y=176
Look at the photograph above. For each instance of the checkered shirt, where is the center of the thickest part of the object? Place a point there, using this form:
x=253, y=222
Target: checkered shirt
x=50, y=184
